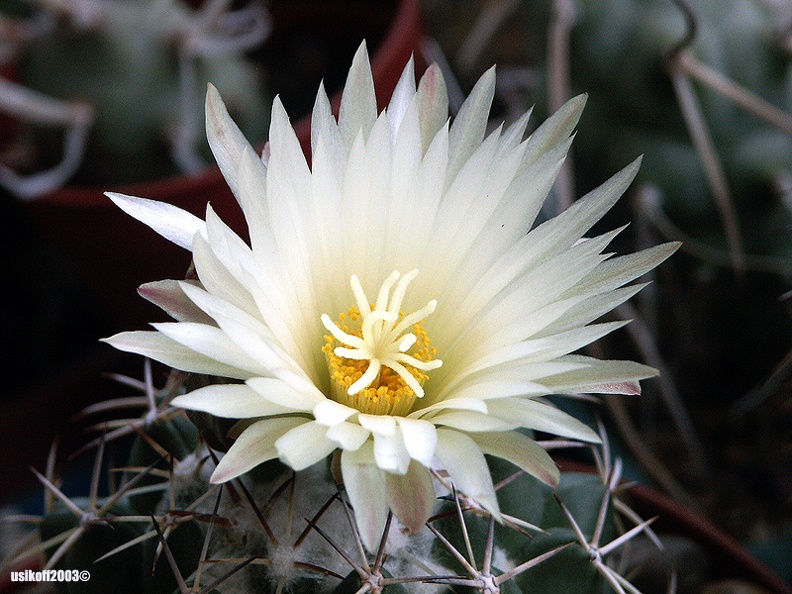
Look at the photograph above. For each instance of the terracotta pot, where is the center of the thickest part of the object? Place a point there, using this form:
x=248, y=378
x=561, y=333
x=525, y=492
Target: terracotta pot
x=116, y=254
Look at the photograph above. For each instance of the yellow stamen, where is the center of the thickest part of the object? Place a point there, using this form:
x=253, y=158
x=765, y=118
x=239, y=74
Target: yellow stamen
x=380, y=369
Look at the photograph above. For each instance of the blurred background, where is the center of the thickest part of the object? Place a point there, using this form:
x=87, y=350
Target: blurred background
x=701, y=89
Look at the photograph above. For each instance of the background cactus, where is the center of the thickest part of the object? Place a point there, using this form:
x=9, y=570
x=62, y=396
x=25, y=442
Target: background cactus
x=141, y=68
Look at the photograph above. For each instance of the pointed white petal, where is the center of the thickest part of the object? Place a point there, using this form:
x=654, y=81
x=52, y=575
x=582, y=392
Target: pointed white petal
x=556, y=128
x=465, y=463
x=225, y=139
x=420, y=439
x=283, y=394
x=159, y=347
x=606, y=377
x=522, y=451
x=217, y=279
x=433, y=103
x=470, y=123
x=358, y=102
x=255, y=445
x=173, y=223
x=365, y=485
x=401, y=98
x=615, y=272
x=304, y=446
x=210, y=342
x=411, y=496
x=232, y=401
x=540, y=416
x=168, y=295
x=323, y=124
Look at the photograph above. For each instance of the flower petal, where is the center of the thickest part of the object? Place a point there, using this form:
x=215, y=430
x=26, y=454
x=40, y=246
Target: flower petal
x=463, y=459
x=168, y=295
x=284, y=394
x=173, y=223
x=211, y=342
x=348, y=436
x=420, y=439
x=159, y=347
x=401, y=98
x=433, y=104
x=304, y=445
x=232, y=401
x=329, y=413
x=255, y=445
x=225, y=138
x=606, y=377
x=521, y=451
x=390, y=452
x=378, y=424
x=469, y=421
x=541, y=416
x=358, y=102
x=470, y=123
x=411, y=496
x=365, y=485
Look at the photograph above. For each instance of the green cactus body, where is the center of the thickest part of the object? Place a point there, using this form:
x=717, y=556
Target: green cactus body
x=127, y=66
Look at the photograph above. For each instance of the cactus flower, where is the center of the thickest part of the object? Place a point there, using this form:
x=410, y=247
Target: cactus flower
x=396, y=303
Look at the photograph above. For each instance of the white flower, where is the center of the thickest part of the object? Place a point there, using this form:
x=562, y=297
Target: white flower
x=392, y=304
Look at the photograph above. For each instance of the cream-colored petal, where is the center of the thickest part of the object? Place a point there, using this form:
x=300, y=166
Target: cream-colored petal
x=168, y=295
x=254, y=446
x=464, y=461
x=469, y=125
x=521, y=451
x=348, y=436
x=433, y=103
x=173, y=223
x=541, y=416
x=555, y=128
x=378, y=424
x=358, y=103
x=469, y=421
x=159, y=347
x=304, y=446
x=420, y=439
x=365, y=485
x=402, y=97
x=211, y=342
x=216, y=278
x=232, y=401
x=605, y=377
x=411, y=496
x=283, y=394
x=329, y=413
x=324, y=125
x=390, y=452
x=225, y=139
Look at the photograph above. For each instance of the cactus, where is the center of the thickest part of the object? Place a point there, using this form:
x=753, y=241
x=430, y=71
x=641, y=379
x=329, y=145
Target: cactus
x=164, y=528
x=134, y=73
x=626, y=54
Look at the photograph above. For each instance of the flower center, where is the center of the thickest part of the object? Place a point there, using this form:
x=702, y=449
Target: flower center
x=380, y=369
